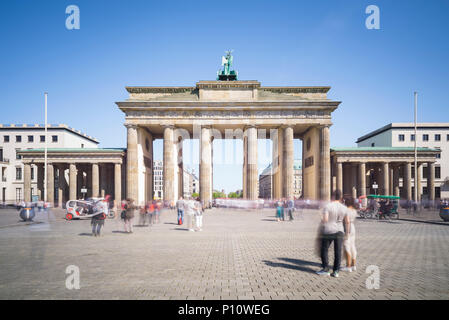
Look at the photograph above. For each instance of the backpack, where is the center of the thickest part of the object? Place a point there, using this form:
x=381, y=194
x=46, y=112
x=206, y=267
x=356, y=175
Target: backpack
x=123, y=214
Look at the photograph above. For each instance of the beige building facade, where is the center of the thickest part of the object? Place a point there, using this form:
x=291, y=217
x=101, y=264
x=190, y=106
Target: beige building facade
x=228, y=110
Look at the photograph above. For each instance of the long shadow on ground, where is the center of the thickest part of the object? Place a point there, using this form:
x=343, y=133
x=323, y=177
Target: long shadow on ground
x=295, y=264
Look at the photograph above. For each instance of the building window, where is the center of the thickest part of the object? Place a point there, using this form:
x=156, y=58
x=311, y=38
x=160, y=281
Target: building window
x=372, y=144
x=32, y=173
x=82, y=145
x=438, y=156
x=401, y=137
x=447, y=137
x=18, y=138
x=438, y=137
x=5, y=138
x=425, y=137
x=54, y=138
x=30, y=138
x=42, y=138
x=437, y=172
x=18, y=173
x=412, y=137
x=18, y=194
x=18, y=157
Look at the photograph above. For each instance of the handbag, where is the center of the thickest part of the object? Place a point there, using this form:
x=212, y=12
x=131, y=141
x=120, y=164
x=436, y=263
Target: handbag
x=123, y=214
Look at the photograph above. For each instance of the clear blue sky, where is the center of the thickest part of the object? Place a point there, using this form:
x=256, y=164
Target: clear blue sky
x=121, y=43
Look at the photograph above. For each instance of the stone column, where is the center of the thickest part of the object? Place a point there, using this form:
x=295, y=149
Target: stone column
x=205, y=166
x=407, y=180
x=431, y=181
x=418, y=182
x=27, y=182
x=396, y=181
x=72, y=181
x=340, y=176
x=277, y=161
x=95, y=178
x=245, y=164
x=180, y=164
x=117, y=184
x=354, y=180
x=40, y=181
x=386, y=178
x=50, y=184
x=103, y=179
x=325, y=172
x=131, y=163
x=362, y=179
x=61, y=185
x=288, y=172
x=252, y=175
x=79, y=181
x=169, y=165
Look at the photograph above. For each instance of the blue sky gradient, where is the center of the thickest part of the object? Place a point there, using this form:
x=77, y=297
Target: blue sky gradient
x=139, y=43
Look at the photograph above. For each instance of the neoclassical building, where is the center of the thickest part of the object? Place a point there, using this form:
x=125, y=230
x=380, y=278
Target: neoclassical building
x=75, y=173
x=228, y=110
x=355, y=170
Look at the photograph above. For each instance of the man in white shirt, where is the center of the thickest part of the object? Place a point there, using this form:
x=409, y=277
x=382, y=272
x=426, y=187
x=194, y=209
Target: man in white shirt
x=333, y=217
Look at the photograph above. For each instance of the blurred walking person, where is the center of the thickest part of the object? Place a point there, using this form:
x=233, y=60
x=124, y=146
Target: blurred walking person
x=279, y=210
x=190, y=212
x=290, y=208
x=97, y=220
x=333, y=216
x=180, y=208
x=198, y=216
x=129, y=215
x=349, y=240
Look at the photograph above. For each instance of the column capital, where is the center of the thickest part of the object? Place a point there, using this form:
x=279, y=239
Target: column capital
x=131, y=126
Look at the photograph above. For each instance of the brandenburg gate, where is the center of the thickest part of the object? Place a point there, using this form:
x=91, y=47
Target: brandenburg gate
x=229, y=109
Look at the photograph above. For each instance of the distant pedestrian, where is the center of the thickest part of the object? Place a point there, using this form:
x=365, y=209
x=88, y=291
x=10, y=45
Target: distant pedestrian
x=190, y=212
x=279, y=210
x=290, y=208
x=129, y=215
x=198, y=216
x=180, y=208
x=98, y=219
x=349, y=239
x=333, y=216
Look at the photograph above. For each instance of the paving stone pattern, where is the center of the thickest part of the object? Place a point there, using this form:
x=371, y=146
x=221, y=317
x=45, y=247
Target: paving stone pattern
x=239, y=255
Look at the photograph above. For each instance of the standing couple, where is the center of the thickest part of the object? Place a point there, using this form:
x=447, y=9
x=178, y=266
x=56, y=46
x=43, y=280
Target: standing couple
x=191, y=208
x=337, y=226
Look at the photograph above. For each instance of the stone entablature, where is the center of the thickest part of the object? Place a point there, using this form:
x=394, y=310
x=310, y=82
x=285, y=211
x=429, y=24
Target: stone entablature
x=375, y=154
x=36, y=156
x=249, y=90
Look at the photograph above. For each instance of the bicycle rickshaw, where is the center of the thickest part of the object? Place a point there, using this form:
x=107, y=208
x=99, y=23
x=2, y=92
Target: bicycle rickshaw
x=388, y=208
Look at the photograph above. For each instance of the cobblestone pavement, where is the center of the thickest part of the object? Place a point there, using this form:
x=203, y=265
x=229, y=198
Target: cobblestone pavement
x=239, y=255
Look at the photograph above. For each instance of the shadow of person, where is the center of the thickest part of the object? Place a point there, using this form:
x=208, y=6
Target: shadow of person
x=296, y=264
x=119, y=231
x=85, y=234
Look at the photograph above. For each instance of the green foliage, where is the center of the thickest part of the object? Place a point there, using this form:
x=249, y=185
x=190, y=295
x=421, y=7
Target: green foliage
x=218, y=195
x=235, y=195
x=195, y=195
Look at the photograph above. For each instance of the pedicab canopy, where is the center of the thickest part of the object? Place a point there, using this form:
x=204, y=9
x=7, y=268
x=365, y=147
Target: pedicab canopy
x=379, y=196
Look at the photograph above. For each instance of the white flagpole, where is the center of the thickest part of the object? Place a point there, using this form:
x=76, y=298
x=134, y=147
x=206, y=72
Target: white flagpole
x=45, y=152
x=416, y=152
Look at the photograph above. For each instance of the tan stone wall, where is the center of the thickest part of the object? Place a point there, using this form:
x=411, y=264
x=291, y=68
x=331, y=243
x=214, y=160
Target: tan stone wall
x=311, y=172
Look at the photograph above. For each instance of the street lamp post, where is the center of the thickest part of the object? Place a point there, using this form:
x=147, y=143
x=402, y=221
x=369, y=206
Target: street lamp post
x=45, y=151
